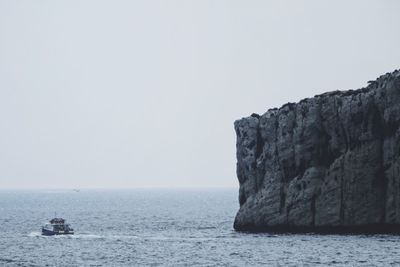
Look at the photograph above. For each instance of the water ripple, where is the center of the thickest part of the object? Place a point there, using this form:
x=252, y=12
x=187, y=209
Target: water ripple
x=169, y=229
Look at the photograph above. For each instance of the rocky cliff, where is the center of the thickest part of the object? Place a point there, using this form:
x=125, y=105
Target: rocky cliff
x=327, y=163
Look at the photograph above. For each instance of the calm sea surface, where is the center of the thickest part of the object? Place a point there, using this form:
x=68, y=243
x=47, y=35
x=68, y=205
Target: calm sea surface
x=171, y=227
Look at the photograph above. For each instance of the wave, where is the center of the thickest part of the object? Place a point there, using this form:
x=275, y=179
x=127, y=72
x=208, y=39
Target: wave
x=84, y=236
x=35, y=234
x=6, y=260
x=93, y=236
x=206, y=227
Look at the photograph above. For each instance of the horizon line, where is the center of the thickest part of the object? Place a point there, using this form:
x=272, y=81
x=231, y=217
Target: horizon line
x=113, y=188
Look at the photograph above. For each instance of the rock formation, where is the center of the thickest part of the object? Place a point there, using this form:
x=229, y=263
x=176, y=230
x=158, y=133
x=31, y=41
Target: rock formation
x=328, y=163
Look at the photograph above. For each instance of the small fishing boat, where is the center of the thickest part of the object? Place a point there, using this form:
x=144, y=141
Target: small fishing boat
x=57, y=226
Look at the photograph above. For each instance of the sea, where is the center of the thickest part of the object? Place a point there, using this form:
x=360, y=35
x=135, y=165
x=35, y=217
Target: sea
x=165, y=227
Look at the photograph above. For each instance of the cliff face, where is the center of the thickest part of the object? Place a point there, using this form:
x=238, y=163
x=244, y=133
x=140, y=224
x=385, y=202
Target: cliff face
x=331, y=162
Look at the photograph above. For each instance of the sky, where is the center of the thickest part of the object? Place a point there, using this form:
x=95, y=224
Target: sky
x=122, y=94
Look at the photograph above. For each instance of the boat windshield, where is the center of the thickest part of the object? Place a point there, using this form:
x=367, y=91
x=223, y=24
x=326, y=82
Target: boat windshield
x=48, y=226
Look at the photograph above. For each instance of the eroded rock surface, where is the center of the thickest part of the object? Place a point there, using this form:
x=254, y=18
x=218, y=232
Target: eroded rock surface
x=331, y=162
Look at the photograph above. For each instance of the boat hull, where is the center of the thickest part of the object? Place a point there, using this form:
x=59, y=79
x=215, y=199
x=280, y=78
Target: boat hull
x=50, y=233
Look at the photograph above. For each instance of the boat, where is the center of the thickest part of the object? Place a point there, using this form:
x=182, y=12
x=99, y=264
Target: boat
x=57, y=226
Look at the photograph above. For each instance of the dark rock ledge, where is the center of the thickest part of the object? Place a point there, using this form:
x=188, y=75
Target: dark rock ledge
x=330, y=163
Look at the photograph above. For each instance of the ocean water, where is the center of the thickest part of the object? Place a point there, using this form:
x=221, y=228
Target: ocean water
x=169, y=227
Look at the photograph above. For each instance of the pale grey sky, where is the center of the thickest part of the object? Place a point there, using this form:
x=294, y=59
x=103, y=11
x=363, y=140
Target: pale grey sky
x=144, y=93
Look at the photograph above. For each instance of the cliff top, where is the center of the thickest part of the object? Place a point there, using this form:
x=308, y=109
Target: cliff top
x=372, y=85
